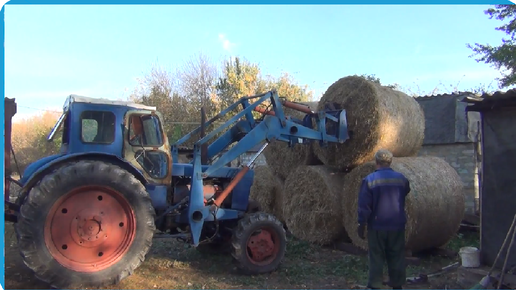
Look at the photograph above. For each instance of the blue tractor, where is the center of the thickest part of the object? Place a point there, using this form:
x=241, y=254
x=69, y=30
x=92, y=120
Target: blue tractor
x=88, y=215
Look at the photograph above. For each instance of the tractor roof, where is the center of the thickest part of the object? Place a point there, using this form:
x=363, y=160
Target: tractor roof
x=81, y=99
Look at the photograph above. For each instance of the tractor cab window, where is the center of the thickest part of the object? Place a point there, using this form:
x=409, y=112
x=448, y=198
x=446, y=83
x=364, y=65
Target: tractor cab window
x=145, y=130
x=98, y=127
x=155, y=163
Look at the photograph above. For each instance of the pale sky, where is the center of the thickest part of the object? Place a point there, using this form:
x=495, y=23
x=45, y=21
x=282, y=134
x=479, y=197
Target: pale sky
x=99, y=51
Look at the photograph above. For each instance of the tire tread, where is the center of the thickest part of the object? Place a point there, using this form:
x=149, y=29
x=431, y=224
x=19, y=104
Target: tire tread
x=28, y=231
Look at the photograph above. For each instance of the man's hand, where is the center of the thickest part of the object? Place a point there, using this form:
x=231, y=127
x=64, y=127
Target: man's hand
x=361, y=231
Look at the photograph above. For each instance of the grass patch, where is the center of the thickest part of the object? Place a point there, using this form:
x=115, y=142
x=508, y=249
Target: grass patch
x=466, y=239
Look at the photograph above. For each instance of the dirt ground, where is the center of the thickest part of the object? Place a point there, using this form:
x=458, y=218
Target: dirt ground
x=174, y=265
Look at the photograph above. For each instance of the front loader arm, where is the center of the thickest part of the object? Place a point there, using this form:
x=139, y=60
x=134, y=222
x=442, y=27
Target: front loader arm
x=248, y=133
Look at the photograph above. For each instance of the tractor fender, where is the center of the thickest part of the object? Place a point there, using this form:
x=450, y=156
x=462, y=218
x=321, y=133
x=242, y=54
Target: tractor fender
x=35, y=171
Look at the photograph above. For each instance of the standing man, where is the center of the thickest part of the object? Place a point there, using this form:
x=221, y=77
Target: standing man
x=381, y=206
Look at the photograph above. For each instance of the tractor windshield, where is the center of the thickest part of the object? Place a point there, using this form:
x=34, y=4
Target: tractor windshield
x=145, y=130
x=151, y=130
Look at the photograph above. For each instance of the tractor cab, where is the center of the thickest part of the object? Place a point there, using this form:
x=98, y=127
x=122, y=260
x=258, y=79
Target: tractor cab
x=129, y=131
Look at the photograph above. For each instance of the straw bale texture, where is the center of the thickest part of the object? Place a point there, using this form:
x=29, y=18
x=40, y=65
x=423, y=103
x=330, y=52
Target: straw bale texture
x=267, y=190
x=282, y=159
x=434, y=207
x=377, y=116
x=311, y=204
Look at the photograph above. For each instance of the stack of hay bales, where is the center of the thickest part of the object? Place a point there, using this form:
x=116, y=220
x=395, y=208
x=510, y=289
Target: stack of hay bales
x=321, y=184
x=311, y=204
x=282, y=159
x=434, y=207
x=269, y=180
x=267, y=190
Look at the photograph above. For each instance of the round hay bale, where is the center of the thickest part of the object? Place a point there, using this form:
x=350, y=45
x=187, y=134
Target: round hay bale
x=267, y=190
x=282, y=158
x=434, y=207
x=311, y=208
x=377, y=116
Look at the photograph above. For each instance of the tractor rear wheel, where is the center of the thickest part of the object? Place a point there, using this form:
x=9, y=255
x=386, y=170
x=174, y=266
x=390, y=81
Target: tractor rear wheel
x=87, y=224
x=259, y=243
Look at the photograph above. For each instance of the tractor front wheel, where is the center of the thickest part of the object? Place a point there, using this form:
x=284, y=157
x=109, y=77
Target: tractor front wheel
x=259, y=243
x=88, y=224
x=223, y=245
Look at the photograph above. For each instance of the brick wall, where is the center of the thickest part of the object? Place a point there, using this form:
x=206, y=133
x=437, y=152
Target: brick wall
x=462, y=157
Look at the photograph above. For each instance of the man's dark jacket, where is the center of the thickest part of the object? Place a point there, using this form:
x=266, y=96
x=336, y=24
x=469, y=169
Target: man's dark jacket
x=381, y=201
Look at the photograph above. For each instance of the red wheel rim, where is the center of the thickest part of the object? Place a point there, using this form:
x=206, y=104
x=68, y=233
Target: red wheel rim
x=263, y=247
x=90, y=228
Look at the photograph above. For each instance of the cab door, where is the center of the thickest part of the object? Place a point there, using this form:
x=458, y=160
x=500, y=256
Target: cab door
x=146, y=146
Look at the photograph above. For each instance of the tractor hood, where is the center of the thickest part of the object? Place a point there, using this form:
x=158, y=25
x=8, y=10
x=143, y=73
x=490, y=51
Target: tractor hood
x=33, y=167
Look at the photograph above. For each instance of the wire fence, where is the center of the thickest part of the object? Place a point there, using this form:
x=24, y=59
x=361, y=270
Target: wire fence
x=168, y=122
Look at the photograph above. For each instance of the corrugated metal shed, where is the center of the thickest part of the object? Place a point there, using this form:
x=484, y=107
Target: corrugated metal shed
x=487, y=102
x=498, y=178
x=446, y=121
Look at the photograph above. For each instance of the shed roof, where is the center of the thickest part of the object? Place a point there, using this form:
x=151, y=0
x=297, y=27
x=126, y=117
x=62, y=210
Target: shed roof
x=456, y=95
x=487, y=102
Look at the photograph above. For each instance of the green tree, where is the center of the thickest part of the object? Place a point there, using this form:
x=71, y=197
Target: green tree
x=239, y=78
x=157, y=88
x=286, y=87
x=503, y=56
x=196, y=82
x=243, y=78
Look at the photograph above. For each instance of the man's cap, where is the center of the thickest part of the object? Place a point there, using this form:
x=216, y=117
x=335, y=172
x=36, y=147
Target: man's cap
x=383, y=156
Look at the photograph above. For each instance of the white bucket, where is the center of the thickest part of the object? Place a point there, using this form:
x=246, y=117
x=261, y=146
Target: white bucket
x=470, y=257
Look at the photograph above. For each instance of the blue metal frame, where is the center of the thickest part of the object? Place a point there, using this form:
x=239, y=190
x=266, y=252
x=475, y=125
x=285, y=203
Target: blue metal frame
x=239, y=198
x=35, y=169
x=273, y=127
